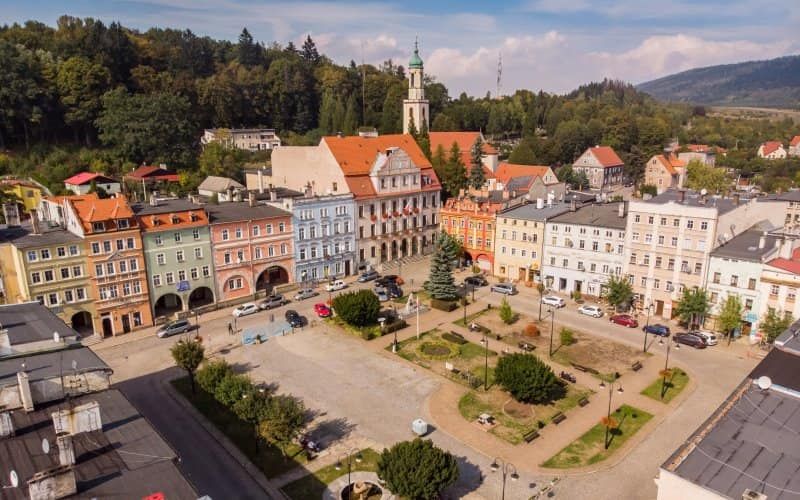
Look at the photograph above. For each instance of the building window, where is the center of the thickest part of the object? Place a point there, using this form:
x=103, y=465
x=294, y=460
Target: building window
x=206, y=271
x=671, y=265
x=170, y=277
x=238, y=233
x=791, y=294
x=160, y=259
x=774, y=289
x=77, y=271
x=734, y=280
x=636, y=218
x=269, y=228
x=179, y=255
x=225, y=235
x=690, y=224
x=751, y=284
x=98, y=227
x=198, y=253
x=48, y=275
x=133, y=264
x=748, y=304
x=61, y=251
x=284, y=248
x=256, y=230
x=52, y=299
x=33, y=256
x=137, y=318
x=281, y=227
x=258, y=252
x=271, y=251
x=196, y=234
x=64, y=273
x=644, y=281
x=716, y=278
x=676, y=222
x=698, y=268
x=131, y=244
x=658, y=261
x=193, y=273
x=703, y=225
x=120, y=244
x=122, y=224
x=177, y=237
x=123, y=266
x=69, y=296
x=633, y=258
x=45, y=253
x=663, y=221
x=182, y=275
x=227, y=258
x=239, y=255
x=126, y=289
x=109, y=268
x=107, y=246
x=235, y=284
x=36, y=278
x=158, y=240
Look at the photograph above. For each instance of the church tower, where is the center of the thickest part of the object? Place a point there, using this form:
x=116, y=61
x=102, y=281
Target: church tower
x=415, y=108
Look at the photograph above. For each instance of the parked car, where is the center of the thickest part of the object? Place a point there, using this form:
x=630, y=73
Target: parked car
x=505, y=288
x=293, y=318
x=174, y=328
x=552, y=300
x=590, y=310
x=322, y=310
x=336, y=285
x=368, y=276
x=708, y=337
x=690, y=340
x=657, y=329
x=388, y=279
x=273, y=301
x=383, y=296
x=476, y=280
x=394, y=291
x=305, y=293
x=624, y=320
x=245, y=309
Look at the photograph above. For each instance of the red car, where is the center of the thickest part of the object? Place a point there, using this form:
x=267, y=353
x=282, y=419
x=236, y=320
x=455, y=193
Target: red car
x=624, y=320
x=322, y=310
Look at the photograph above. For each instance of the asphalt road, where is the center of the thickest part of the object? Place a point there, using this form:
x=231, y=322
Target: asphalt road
x=207, y=465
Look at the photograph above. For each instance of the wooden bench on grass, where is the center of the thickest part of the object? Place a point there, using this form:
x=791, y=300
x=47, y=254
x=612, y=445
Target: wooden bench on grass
x=585, y=369
x=583, y=402
x=559, y=417
x=636, y=366
x=530, y=436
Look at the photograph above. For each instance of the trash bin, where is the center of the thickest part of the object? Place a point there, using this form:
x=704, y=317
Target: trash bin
x=419, y=427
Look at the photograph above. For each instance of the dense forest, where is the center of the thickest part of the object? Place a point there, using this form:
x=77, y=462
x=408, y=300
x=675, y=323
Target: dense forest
x=85, y=95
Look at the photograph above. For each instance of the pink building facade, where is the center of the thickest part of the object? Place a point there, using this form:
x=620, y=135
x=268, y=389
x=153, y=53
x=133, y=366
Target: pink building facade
x=252, y=247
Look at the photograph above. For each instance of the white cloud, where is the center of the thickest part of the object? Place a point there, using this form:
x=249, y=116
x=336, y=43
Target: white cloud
x=662, y=55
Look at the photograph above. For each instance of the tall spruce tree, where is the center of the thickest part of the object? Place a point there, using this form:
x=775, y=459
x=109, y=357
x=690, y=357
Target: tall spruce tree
x=476, y=175
x=441, y=284
x=424, y=140
x=309, y=51
x=455, y=175
x=412, y=128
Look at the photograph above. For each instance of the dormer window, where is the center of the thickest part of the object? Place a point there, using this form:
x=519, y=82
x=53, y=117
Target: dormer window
x=98, y=227
x=122, y=224
x=193, y=217
x=176, y=219
x=155, y=221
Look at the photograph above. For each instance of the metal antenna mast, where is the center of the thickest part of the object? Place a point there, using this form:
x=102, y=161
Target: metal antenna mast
x=499, y=74
x=363, y=87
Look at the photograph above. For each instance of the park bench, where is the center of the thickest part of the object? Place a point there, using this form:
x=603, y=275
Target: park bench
x=530, y=436
x=558, y=418
x=636, y=366
x=583, y=402
x=586, y=369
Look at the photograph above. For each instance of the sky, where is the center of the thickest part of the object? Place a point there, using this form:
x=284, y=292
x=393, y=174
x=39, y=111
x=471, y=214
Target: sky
x=550, y=45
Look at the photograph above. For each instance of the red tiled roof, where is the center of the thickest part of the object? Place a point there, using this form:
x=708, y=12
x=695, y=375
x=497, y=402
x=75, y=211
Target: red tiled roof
x=795, y=141
x=506, y=171
x=606, y=156
x=84, y=178
x=770, y=147
x=153, y=172
x=356, y=155
x=465, y=140
x=792, y=265
x=698, y=148
x=91, y=208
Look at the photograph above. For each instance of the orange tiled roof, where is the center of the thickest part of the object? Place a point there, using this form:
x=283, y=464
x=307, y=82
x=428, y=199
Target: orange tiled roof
x=670, y=163
x=606, y=156
x=506, y=171
x=465, y=140
x=90, y=208
x=356, y=155
x=698, y=148
x=175, y=220
x=770, y=146
x=795, y=141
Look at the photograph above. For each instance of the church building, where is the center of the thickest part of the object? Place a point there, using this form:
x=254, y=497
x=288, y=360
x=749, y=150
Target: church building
x=415, y=108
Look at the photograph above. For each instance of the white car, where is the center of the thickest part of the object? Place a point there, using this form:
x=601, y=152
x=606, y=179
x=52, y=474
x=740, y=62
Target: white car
x=334, y=286
x=589, y=310
x=710, y=338
x=305, y=293
x=552, y=300
x=245, y=309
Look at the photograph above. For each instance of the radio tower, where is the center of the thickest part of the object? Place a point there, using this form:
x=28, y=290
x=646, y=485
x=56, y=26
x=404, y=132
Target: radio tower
x=499, y=74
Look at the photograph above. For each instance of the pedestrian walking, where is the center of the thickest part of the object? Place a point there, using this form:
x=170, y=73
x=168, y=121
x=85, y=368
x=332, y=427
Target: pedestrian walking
x=230, y=328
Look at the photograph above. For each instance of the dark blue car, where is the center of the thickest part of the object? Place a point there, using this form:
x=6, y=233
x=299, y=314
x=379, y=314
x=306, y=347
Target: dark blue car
x=656, y=329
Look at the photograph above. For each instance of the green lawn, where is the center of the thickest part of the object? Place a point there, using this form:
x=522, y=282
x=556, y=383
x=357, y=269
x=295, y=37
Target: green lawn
x=674, y=385
x=470, y=317
x=421, y=294
x=365, y=332
x=313, y=485
x=268, y=458
x=470, y=351
x=588, y=449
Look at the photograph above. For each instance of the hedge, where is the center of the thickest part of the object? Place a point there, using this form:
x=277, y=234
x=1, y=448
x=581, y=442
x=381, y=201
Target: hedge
x=456, y=339
x=444, y=305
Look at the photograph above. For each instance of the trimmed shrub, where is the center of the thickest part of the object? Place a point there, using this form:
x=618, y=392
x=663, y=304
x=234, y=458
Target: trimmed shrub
x=357, y=308
x=395, y=326
x=506, y=313
x=211, y=374
x=417, y=469
x=444, y=305
x=528, y=379
x=231, y=388
x=456, y=339
x=531, y=330
x=567, y=336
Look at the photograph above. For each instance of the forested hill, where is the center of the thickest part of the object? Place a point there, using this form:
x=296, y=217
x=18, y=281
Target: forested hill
x=774, y=83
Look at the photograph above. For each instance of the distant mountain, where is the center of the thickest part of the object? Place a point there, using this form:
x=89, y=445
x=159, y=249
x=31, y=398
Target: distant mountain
x=774, y=83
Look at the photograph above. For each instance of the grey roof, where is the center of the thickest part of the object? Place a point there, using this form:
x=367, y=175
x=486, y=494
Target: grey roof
x=520, y=182
x=693, y=199
x=751, y=441
x=745, y=246
x=789, y=341
x=165, y=207
x=218, y=184
x=45, y=365
x=22, y=237
x=127, y=458
x=782, y=367
x=242, y=211
x=32, y=322
x=581, y=196
x=595, y=214
x=528, y=211
x=787, y=196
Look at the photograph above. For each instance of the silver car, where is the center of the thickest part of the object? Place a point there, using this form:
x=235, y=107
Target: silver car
x=504, y=288
x=174, y=328
x=306, y=293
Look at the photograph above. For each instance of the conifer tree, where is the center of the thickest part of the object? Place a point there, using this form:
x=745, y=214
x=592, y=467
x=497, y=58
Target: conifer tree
x=476, y=175
x=412, y=128
x=424, y=140
x=441, y=284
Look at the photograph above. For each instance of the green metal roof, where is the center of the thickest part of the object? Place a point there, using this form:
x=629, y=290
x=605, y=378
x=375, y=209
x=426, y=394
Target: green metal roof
x=416, y=60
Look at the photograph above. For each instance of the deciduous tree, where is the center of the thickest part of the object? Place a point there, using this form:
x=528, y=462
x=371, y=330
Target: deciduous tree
x=188, y=354
x=282, y=420
x=417, y=469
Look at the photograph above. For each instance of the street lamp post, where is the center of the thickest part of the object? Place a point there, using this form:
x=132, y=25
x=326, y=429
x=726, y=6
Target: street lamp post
x=348, y=458
x=508, y=469
x=197, y=323
x=552, y=313
x=647, y=324
x=608, y=414
x=485, y=361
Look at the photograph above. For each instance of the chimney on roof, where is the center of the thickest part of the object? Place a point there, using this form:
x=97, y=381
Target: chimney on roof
x=66, y=451
x=762, y=240
x=35, y=227
x=153, y=200
x=539, y=203
x=786, y=249
x=573, y=204
x=237, y=195
x=6, y=424
x=681, y=195
x=260, y=180
x=736, y=199
x=273, y=195
x=251, y=198
x=506, y=194
x=25, y=390
x=339, y=134
x=55, y=482
x=622, y=209
x=308, y=191
x=162, y=166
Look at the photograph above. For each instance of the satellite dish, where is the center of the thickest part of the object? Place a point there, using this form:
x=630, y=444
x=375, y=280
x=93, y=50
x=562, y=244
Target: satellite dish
x=764, y=382
x=74, y=365
x=45, y=446
x=56, y=337
x=14, y=478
